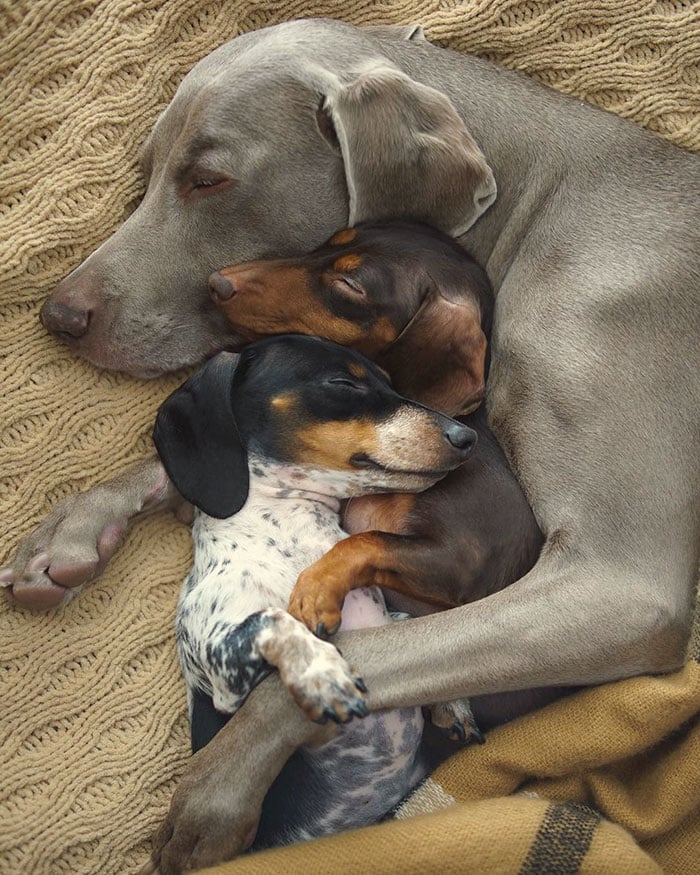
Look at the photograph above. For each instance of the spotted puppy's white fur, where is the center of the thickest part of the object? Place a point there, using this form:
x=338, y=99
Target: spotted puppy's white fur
x=232, y=624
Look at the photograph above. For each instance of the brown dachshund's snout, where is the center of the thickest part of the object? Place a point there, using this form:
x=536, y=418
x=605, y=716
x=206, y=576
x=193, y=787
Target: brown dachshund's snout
x=220, y=287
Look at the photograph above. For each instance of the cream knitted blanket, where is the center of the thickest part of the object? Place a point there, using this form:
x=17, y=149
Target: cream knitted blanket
x=92, y=726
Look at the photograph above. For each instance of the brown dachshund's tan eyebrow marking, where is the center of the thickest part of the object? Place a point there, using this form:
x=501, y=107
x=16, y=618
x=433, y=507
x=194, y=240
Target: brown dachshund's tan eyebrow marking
x=347, y=262
x=357, y=370
x=344, y=236
x=283, y=403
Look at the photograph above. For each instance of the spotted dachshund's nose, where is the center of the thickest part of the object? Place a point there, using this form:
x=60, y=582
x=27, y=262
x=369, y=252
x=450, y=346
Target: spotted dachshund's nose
x=461, y=437
x=67, y=322
x=220, y=287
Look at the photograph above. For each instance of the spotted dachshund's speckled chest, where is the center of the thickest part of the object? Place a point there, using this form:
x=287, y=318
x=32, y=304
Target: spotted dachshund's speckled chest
x=243, y=565
x=232, y=618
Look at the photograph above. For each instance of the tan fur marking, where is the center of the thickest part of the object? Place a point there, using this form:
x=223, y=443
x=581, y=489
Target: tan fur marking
x=332, y=444
x=347, y=235
x=283, y=403
x=347, y=263
x=375, y=339
x=357, y=370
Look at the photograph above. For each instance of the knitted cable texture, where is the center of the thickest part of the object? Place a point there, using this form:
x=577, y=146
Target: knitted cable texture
x=93, y=731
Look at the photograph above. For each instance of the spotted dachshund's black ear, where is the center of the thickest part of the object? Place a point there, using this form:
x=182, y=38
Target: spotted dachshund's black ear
x=198, y=441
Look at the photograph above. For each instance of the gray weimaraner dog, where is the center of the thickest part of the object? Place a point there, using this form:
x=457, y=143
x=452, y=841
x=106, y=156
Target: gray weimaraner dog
x=593, y=246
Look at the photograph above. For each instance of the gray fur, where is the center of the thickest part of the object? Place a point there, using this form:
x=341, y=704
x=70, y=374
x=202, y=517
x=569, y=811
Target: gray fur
x=593, y=248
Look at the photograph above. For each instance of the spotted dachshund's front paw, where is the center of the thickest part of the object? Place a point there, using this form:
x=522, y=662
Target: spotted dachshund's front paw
x=457, y=720
x=316, y=606
x=325, y=688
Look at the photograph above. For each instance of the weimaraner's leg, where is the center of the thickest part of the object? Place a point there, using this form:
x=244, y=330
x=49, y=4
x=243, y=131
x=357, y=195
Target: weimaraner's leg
x=82, y=533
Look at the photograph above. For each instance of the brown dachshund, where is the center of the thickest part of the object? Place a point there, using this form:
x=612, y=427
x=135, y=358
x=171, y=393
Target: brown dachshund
x=410, y=298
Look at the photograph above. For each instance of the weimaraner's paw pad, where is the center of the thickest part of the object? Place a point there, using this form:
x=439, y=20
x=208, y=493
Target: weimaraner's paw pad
x=68, y=549
x=457, y=720
x=32, y=588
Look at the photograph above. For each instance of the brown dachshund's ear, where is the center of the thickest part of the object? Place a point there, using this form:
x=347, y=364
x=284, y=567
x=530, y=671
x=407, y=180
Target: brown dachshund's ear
x=439, y=358
x=407, y=154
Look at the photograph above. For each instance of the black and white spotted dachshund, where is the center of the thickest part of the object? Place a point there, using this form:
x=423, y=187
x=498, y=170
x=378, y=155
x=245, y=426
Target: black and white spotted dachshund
x=266, y=448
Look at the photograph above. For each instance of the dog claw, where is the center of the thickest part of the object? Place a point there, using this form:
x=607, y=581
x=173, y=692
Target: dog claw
x=342, y=712
x=360, y=684
x=326, y=715
x=320, y=630
x=457, y=720
x=359, y=709
x=478, y=735
x=458, y=731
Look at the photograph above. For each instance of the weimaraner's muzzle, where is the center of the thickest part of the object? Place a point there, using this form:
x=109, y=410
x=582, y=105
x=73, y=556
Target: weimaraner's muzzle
x=593, y=246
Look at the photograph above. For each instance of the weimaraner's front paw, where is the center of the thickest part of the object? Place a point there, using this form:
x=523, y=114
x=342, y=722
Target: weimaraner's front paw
x=215, y=810
x=71, y=547
x=210, y=819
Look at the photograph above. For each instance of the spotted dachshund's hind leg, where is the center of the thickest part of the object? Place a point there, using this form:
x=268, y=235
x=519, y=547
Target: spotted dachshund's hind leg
x=313, y=670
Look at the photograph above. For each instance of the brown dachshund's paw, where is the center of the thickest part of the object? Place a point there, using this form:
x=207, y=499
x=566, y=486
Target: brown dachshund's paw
x=71, y=546
x=457, y=721
x=325, y=687
x=317, y=607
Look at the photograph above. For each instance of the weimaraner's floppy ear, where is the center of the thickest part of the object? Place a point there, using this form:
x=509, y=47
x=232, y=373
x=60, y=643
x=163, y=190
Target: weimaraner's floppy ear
x=412, y=32
x=198, y=441
x=407, y=153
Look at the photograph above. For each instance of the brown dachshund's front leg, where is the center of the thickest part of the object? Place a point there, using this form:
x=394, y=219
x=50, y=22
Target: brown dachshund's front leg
x=406, y=565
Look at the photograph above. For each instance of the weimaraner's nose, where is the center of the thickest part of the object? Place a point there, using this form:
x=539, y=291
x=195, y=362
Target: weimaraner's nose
x=221, y=287
x=64, y=320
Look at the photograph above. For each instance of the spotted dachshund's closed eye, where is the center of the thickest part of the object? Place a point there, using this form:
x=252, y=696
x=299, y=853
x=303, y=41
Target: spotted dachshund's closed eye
x=306, y=403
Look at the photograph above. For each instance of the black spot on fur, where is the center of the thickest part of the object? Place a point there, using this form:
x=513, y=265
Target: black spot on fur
x=235, y=657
